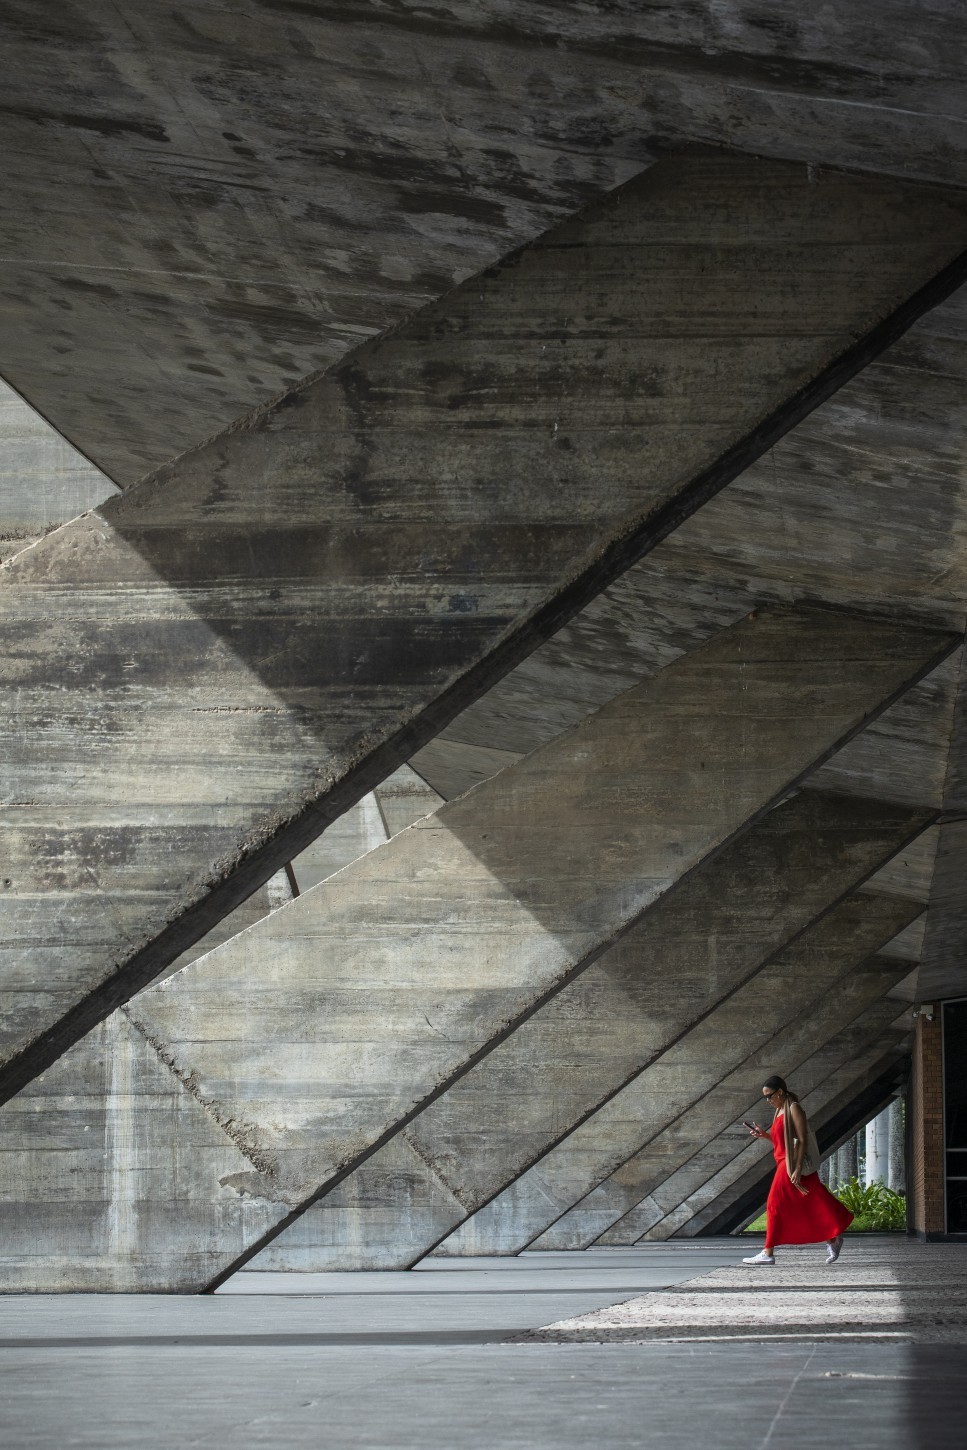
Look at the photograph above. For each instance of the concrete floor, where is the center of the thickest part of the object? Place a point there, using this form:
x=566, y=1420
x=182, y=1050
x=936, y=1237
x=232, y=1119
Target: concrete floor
x=433, y=1360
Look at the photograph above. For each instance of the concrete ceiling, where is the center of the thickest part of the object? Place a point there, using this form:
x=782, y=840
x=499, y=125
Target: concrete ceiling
x=864, y=506
x=202, y=203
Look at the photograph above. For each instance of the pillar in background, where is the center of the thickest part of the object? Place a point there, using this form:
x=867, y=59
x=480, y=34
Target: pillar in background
x=898, y=1146
x=878, y=1148
x=849, y=1165
x=925, y=1107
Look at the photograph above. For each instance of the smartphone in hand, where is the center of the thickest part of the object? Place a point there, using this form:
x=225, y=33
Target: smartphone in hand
x=752, y=1127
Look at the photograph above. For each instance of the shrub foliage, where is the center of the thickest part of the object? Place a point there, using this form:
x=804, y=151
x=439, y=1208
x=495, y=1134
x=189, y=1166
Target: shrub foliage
x=876, y=1208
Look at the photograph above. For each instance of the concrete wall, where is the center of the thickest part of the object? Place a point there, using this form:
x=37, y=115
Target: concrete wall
x=700, y=944
x=319, y=1030
x=43, y=480
x=224, y=199
x=171, y=611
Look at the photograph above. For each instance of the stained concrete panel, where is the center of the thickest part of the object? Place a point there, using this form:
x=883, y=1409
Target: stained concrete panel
x=43, y=480
x=99, y=1157
x=804, y=994
x=396, y=803
x=262, y=618
x=226, y=198
x=316, y=1033
x=891, y=542
x=688, y=953
x=820, y=1078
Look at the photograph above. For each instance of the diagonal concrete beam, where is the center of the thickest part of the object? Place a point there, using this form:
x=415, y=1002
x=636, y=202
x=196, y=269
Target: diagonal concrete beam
x=823, y=1075
x=316, y=1034
x=694, y=948
x=872, y=1083
x=639, y=1176
x=202, y=674
x=798, y=996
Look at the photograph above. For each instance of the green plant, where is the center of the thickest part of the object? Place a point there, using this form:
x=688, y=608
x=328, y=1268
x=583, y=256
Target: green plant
x=876, y=1208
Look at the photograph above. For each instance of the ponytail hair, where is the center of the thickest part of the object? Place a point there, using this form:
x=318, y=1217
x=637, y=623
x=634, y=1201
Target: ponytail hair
x=778, y=1085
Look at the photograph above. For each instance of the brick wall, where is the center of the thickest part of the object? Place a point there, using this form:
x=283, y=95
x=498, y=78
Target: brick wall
x=926, y=1186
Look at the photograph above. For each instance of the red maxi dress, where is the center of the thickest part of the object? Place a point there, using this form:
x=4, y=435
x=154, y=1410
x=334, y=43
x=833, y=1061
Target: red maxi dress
x=796, y=1218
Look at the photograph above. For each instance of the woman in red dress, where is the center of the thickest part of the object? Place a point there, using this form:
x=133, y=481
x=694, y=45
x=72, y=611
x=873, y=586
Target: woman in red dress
x=799, y=1209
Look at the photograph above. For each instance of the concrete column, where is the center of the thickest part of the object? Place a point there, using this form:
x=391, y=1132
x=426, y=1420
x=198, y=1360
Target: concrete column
x=714, y=1177
x=898, y=1146
x=630, y=1004
x=878, y=1148
x=806, y=994
x=205, y=672
x=314, y=1036
x=850, y=1163
x=925, y=1106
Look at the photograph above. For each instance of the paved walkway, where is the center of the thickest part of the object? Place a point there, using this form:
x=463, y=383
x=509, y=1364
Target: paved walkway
x=880, y=1288
x=434, y=1360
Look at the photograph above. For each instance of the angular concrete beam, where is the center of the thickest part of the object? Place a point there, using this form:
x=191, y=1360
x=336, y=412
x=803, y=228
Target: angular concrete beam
x=789, y=999
x=597, y=1033
x=318, y=1033
x=823, y=1075
x=873, y=1082
x=846, y=995
x=201, y=675
x=44, y=481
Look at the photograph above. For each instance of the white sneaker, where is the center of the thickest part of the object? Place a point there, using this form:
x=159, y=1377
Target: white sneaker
x=833, y=1249
x=761, y=1258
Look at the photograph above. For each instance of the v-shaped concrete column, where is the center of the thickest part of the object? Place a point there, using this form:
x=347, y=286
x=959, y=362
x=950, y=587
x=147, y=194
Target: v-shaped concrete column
x=199, y=676
x=698, y=945
x=820, y=1078
x=800, y=991
x=315, y=1035
x=851, y=1097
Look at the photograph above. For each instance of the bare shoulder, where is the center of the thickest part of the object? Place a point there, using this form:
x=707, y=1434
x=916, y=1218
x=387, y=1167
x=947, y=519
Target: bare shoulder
x=798, y=1117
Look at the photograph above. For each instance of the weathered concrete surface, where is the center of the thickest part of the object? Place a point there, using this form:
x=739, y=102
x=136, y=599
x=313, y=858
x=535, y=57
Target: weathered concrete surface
x=688, y=953
x=396, y=803
x=317, y=1033
x=892, y=543
x=218, y=200
x=804, y=995
x=838, y=1112
x=43, y=480
x=943, y=971
x=819, y=1080
x=271, y=688
x=101, y=1159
